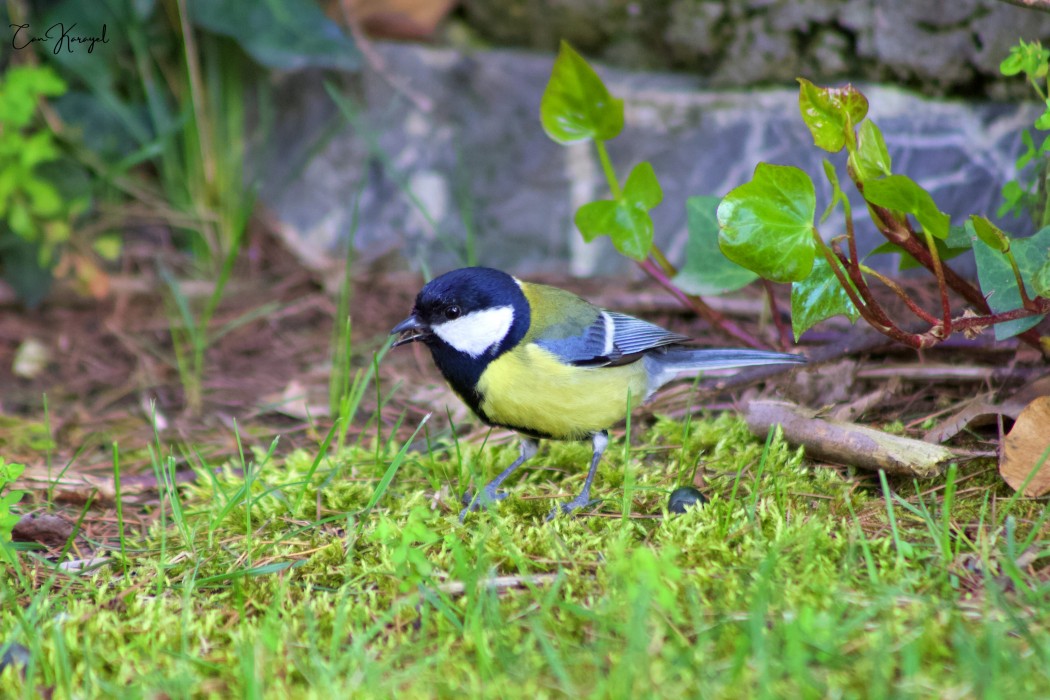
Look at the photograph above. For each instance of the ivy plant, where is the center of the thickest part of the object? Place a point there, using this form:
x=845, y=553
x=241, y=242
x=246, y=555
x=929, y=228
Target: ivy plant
x=577, y=107
x=1033, y=61
x=35, y=211
x=9, y=473
x=768, y=227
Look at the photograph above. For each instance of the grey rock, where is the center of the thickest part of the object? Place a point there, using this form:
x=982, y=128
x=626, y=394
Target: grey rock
x=909, y=53
x=695, y=31
x=479, y=162
x=826, y=51
x=756, y=55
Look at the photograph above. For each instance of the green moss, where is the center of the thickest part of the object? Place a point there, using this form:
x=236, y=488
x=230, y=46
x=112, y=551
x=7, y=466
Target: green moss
x=788, y=583
x=20, y=436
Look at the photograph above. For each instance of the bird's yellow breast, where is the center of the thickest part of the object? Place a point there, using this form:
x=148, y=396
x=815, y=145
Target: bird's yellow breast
x=529, y=389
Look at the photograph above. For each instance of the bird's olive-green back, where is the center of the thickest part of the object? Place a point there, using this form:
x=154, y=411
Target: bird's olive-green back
x=556, y=313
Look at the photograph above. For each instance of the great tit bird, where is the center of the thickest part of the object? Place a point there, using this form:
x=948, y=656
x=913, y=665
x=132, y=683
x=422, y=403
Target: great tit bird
x=547, y=364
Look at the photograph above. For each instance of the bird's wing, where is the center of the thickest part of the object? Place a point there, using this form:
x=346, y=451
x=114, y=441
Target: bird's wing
x=612, y=338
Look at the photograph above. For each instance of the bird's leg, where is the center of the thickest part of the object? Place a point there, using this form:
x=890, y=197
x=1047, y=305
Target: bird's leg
x=600, y=442
x=489, y=494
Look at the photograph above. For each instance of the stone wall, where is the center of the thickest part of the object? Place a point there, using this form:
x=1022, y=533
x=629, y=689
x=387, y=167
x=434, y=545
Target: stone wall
x=938, y=47
x=464, y=164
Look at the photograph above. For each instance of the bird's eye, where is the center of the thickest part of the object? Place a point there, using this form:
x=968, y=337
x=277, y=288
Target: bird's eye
x=452, y=312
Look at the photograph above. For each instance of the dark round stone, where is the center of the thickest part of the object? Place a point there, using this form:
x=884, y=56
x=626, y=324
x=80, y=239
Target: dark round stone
x=683, y=497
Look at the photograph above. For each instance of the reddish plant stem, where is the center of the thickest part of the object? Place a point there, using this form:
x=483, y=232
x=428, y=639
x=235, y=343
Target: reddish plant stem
x=875, y=309
x=697, y=304
x=963, y=323
x=783, y=332
x=882, y=325
x=853, y=267
x=851, y=238
x=942, y=287
x=906, y=238
x=662, y=261
x=902, y=235
x=903, y=296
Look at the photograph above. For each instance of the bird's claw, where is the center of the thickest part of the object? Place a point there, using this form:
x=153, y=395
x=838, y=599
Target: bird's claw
x=475, y=503
x=578, y=503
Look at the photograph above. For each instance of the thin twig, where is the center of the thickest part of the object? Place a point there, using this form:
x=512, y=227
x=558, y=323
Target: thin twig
x=697, y=304
x=867, y=307
x=902, y=295
x=909, y=241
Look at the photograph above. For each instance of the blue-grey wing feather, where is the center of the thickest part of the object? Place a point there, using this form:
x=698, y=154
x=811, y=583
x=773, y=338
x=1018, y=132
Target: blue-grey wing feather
x=633, y=335
x=599, y=345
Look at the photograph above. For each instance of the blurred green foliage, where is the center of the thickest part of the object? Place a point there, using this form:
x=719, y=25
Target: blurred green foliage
x=158, y=109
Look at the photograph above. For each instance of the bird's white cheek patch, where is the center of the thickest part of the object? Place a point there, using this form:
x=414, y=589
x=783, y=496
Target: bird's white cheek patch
x=478, y=331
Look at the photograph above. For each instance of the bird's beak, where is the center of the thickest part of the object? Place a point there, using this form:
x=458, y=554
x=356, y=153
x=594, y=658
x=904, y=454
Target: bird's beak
x=410, y=330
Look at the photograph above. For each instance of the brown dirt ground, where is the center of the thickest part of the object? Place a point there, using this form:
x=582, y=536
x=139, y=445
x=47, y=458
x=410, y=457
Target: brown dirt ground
x=112, y=358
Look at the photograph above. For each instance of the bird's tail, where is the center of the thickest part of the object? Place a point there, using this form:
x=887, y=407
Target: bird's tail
x=665, y=366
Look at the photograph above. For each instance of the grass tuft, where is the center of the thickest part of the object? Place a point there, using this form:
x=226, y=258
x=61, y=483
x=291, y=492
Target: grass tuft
x=316, y=574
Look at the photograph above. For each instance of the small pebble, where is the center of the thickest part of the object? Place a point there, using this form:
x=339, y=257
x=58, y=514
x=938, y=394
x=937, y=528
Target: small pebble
x=683, y=497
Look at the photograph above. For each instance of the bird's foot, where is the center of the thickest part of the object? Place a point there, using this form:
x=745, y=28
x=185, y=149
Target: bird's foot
x=486, y=497
x=578, y=503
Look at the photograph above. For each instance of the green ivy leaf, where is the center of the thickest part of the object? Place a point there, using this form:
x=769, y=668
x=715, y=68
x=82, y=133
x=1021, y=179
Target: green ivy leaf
x=20, y=89
x=999, y=284
x=837, y=195
x=1043, y=121
x=831, y=113
x=873, y=158
x=1013, y=199
x=9, y=472
x=767, y=224
x=1029, y=150
x=1028, y=58
x=902, y=194
x=642, y=189
x=576, y=105
x=706, y=270
x=1041, y=279
x=39, y=148
x=989, y=234
x=626, y=220
x=820, y=297
x=1012, y=64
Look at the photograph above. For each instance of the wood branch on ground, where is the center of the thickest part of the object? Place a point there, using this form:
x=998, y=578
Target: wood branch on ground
x=847, y=443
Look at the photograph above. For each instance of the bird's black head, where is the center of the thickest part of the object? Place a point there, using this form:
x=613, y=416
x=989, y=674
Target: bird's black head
x=467, y=318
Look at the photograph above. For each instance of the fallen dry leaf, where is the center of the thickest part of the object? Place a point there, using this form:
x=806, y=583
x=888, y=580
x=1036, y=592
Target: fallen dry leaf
x=49, y=530
x=974, y=413
x=1027, y=448
x=982, y=410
